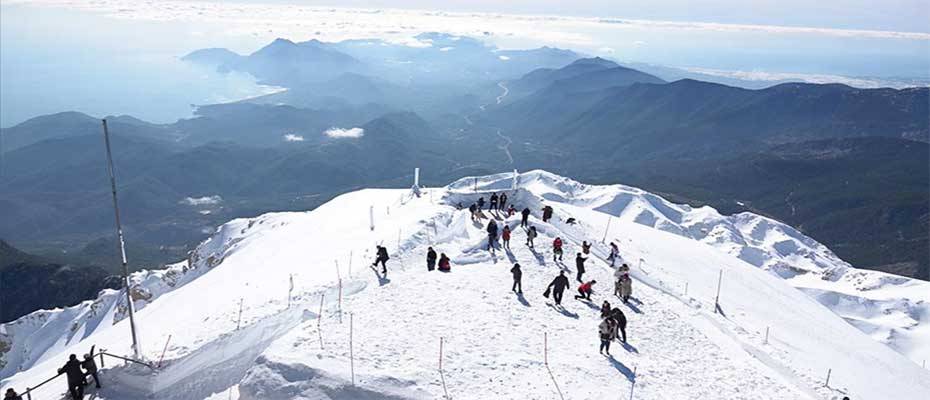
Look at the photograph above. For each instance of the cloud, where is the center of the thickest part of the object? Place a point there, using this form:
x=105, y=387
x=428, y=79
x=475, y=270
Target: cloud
x=202, y=201
x=290, y=137
x=503, y=58
x=344, y=133
x=780, y=77
x=447, y=48
x=606, y=50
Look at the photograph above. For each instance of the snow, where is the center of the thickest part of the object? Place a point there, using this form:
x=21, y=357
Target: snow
x=679, y=347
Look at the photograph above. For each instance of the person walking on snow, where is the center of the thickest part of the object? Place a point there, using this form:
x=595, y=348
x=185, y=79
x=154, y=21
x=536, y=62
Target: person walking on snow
x=626, y=287
x=493, y=204
x=606, y=330
x=505, y=236
x=530, y=235
x=502, y=202
x=480, y=203
x=382, y=257
x=492, y=234
x=526, y=217
x=584, y=291
x=547, y=213
x=614, y=253
x=557, y=249
x=579, y=264
x=511, y=211
x=473, y=210
x=517, y=278
x=91, y=367
x=444, y=263
x=558, y=286
x=620, y=321
x=430, y=259
x=585, y=247
x=72, y=369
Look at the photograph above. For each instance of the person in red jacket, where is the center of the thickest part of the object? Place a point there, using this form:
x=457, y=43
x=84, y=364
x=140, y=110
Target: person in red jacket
x=505, y=236
x=444, y=265
x=557, y=249
x=584, y=291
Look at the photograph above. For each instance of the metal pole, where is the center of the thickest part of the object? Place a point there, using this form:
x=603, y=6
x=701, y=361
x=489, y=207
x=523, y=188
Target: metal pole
x=829, y=371
x=350, y=263
x=371, y=217
x=290, y=291
x=766, y=340
x=610, y=218
x=686, y=288
x=136, y=348
x=441, y=339
x=162, y=358
x=633, y=384
x=717, y=299
x=351, y=354
x=546, y=348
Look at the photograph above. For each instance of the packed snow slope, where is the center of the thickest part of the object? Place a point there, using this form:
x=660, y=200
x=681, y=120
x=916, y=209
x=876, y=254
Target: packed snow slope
x=233, y=334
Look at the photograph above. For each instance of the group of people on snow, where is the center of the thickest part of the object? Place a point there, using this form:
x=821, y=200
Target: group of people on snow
x=613, y=326
x=77, y=372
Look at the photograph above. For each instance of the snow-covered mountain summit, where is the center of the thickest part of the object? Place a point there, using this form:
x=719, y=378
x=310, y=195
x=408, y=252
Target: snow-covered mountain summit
x=235, y=331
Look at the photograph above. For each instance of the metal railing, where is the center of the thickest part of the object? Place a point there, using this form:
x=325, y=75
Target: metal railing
x=101, y=353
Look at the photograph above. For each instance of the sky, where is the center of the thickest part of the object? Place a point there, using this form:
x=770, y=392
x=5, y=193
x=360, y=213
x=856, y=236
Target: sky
x=109, y=57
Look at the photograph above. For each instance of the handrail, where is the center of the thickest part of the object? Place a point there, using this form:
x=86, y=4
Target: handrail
x=101, y=353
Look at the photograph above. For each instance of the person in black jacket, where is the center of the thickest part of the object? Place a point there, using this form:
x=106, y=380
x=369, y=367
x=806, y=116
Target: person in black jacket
x=12, y=395
x=517, y=278
x=526, y=217
x=430, y=259
x=502, y=202
x=493, y=204
x=579, y=264
x=492, y=233
x=91, y=367
x=382, y=257
x=558, y=286
x=480, y=203
x=620, y=319
x=72, y=369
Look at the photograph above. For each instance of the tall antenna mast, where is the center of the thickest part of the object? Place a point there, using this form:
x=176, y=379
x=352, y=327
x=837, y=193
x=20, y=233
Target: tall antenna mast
x=137, y=351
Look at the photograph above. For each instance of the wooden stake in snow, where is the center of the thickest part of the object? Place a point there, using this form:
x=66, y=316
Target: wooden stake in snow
x=160, y=359
x=319, y=321
x=766, y=339
x=290, y=291
x=827, y=383
x=717, y=299
x=239, y=321
x=633, y=384
x=351, y=354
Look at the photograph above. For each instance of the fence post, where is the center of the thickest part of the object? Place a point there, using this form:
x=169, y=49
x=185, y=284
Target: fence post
x=609, y=218
x=829, y=371
x=717, y=299
x=686, y=288
x=162, y=358
x=319, y=320
x=239, y=321
x=371, y=217
x=442, y=375
x=350, y=264
x=290, y=290
x=766, y=340
x=339, y=302
x=546, y=348
x=28, y=393
x=351, y=354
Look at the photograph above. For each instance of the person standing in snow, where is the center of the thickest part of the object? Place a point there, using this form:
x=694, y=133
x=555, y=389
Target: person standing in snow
x=492, y=234
x=444, y=263
x=505, y=236
x=585, y=247
x=12, y=395
x=558, y=286
x=493, y=204
x=480, y=203
x=547, y=213
x=430, y=259
x=620, y=321
x=502, y=202
x=382, y=257
x=530, y=235
x=72, y=369
x=517, y=278
x=622, y=270
x=91, y=367
x=473, y=210
x=584, y=291
x=614, y=253
x=626, y=287
x=557, y=249
x=526, y=217
x=605, y=309
x=579, y=264
x=606, y=330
